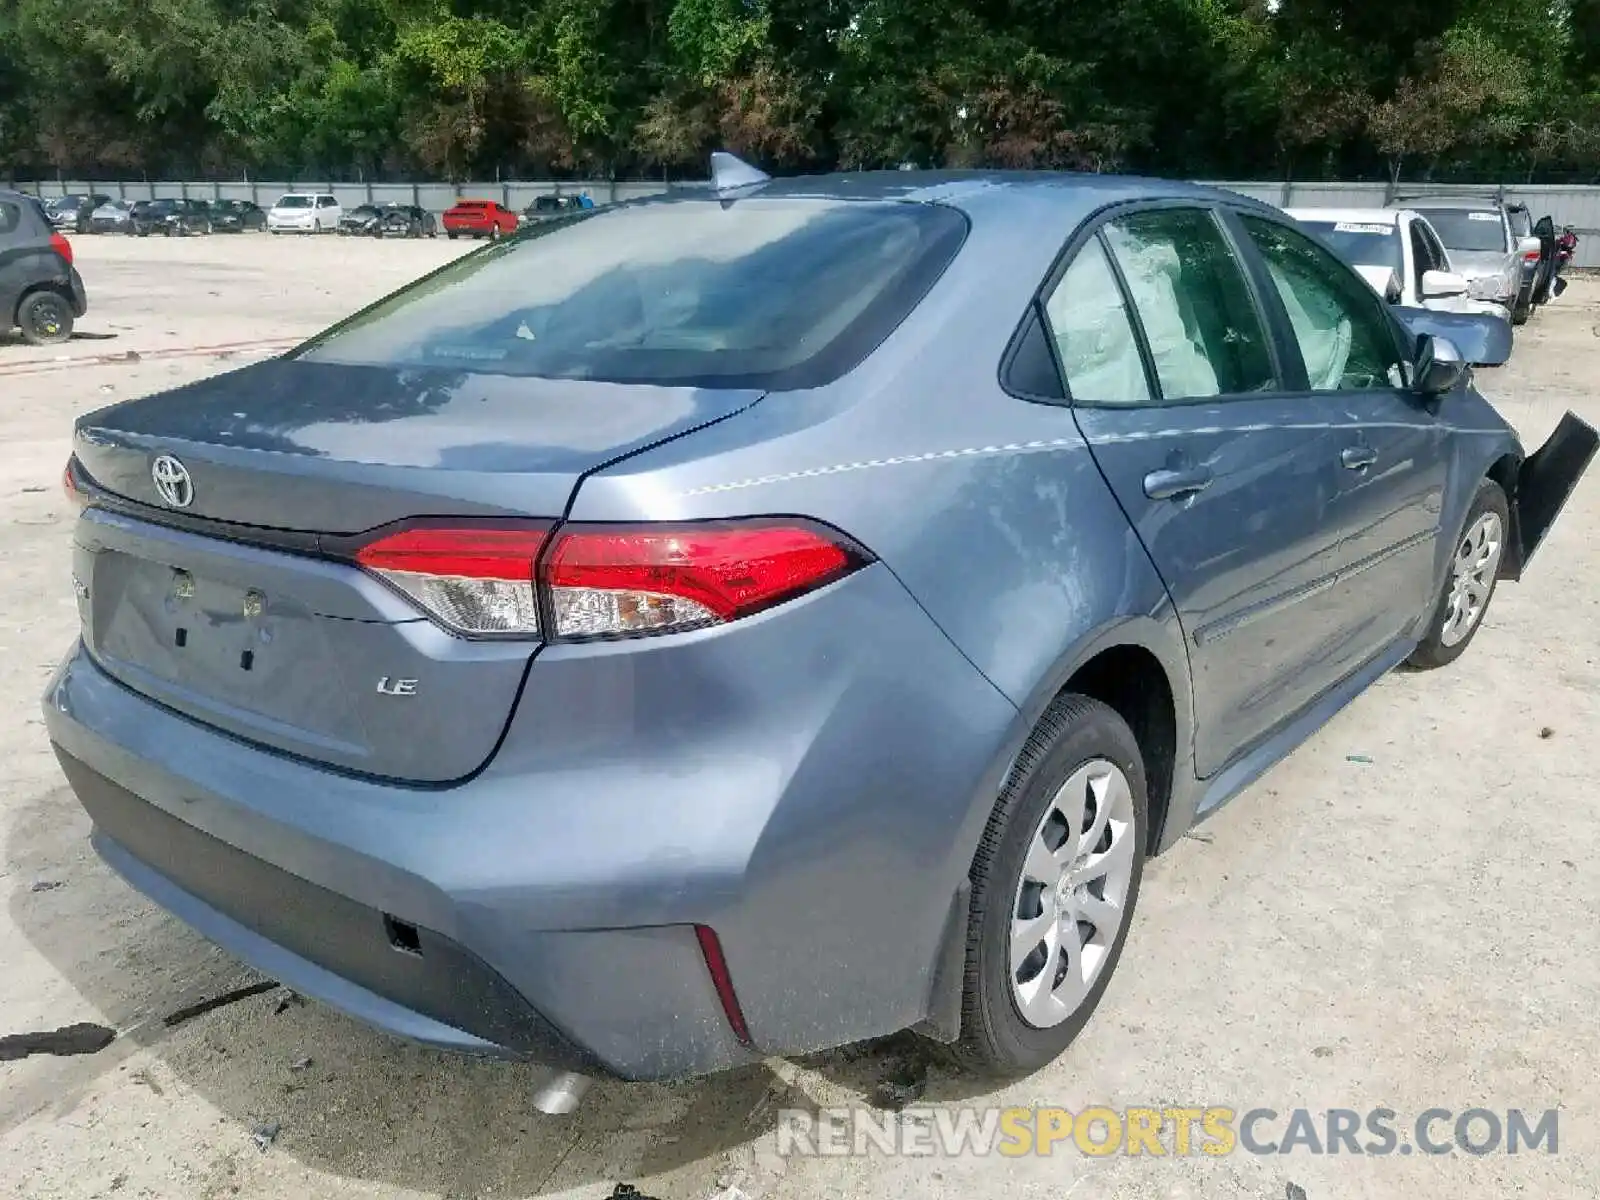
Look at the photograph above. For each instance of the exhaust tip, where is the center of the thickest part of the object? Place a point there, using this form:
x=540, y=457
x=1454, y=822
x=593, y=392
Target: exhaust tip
x=561, y=1093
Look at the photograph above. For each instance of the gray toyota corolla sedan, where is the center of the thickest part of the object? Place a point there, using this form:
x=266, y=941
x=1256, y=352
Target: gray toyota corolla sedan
x=749, y=621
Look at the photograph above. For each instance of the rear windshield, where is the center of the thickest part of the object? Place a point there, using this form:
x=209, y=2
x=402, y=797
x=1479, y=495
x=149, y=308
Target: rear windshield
x=760, y=293
x=1361, y=243
x=10, y=216
x=1467, y=229
x=295, y=202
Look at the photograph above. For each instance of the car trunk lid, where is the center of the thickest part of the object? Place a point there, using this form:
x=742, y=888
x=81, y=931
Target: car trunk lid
x=232, y=609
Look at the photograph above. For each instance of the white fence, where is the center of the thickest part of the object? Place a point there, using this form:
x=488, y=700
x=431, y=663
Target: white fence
x=1577, y=205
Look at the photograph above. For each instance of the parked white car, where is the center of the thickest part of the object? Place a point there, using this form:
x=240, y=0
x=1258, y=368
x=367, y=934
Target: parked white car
x=1399, y=253
x=304, y=212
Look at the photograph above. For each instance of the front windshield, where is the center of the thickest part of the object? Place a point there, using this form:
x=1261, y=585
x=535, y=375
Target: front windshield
x=1361, y=244
x=684, y=292
x=294, y=202
x=1471, y=230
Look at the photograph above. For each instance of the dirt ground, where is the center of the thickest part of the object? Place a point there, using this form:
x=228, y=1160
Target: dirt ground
x=1402, y=915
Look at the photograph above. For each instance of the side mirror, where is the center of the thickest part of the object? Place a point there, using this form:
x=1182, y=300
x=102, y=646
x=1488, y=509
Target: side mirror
x=1441, y=285
x=1528, y=245
x=1544, y=228
x=1438, y=368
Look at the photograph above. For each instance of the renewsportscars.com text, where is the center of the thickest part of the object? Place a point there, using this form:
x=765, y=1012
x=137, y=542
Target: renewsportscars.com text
x=1160, y=1132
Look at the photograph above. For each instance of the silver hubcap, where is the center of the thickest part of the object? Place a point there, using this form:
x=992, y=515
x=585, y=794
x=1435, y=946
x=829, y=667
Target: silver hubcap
x=1472, y=577
x=1072, y=898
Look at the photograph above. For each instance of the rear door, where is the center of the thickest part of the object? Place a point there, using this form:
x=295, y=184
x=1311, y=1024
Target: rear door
x=1391, y=446
x=1230, y=483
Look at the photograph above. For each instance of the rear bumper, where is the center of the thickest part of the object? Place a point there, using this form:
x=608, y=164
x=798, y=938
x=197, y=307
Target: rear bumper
x=80, y=294
x=821, y=828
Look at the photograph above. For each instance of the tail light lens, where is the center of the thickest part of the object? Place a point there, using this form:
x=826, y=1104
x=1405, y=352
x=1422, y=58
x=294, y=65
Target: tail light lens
x=474, y=581
x=624, y=582
x=1531, y=256
x=69, y=485
x=61, y=246
x=608, y=581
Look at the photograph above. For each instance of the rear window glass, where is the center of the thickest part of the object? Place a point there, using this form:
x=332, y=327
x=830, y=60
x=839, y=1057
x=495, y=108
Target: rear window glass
x=10, y=216
x=1467, y=229
x=759, y=293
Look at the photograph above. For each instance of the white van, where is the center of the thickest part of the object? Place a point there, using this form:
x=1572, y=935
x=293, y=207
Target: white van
x=304, y=212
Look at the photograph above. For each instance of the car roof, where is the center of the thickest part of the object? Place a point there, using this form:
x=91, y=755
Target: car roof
x=1047, y=198
x=1353, y=216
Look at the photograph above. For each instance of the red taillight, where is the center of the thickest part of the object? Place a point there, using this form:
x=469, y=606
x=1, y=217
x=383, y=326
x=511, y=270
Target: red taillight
x=606, y=582
x=1531, y=256
x=711, y=949
x=62, y=246
x=475, y=581
x=70, y=486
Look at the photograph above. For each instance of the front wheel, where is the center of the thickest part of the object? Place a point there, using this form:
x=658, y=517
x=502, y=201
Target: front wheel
x=45, y=319
x=1469, y=584
x=1054, y=884
x=451, y=236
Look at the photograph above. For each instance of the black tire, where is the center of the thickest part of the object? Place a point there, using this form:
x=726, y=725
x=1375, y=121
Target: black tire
x=1432, y=652
x=45, y=318
x=451, y=236
x=995, y=1039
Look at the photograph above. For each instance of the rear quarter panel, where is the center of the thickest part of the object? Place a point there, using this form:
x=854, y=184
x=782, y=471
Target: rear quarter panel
x=988, y=509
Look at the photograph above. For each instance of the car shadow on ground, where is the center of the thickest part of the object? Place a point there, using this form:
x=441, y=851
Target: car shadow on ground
x=354, y=1102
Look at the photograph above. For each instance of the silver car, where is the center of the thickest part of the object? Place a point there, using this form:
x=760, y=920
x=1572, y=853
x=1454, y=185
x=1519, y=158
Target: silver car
x=1482, y=245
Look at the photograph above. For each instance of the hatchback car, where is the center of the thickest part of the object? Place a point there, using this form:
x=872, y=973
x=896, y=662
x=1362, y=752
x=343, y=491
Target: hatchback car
x=768, y=617
x=478, y=219
x=41, y=292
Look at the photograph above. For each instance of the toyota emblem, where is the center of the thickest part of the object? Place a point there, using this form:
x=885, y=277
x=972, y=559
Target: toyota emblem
x=172, y=481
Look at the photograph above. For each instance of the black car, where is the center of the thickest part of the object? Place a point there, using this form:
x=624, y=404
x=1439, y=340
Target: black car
x=406, y=220
x=41, y=292
x=548, y=208
x=174, y=218
x=237, y=216
x=73, y=212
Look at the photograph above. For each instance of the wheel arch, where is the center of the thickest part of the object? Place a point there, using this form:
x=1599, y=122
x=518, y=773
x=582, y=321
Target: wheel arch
x=1138, y=666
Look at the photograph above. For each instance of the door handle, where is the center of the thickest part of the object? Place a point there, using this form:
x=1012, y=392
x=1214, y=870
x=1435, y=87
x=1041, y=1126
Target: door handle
x=1358, y=458
x=1169, y=485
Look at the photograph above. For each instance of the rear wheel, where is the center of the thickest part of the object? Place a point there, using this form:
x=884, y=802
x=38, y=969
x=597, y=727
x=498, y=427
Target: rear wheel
x=45, y=318
x=1469, y=584
x=1054, y=883
x=451, y=235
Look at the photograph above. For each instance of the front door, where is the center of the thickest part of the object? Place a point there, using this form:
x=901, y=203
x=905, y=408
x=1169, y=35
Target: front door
x=1231, y=485
x=1391, y=447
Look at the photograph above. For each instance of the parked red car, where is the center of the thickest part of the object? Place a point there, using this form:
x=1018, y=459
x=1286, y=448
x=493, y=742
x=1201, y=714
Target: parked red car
x=479, y=218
